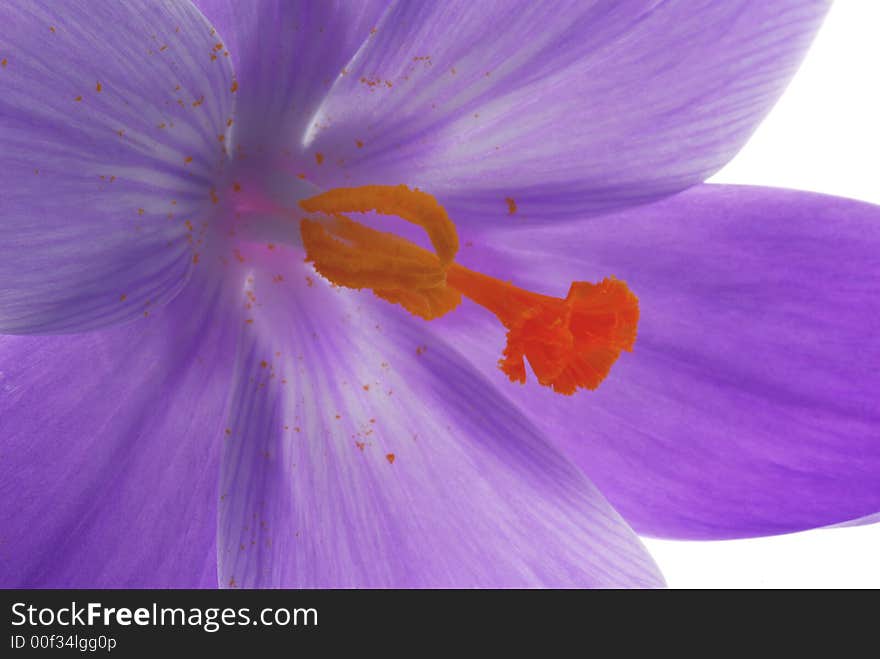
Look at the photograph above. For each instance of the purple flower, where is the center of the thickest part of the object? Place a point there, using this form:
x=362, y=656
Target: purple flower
x=185, y=402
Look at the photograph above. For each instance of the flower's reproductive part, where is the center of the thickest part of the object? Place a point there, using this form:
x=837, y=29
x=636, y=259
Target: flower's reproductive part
x=570, y=342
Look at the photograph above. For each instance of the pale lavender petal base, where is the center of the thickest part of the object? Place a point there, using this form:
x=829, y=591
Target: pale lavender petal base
x=287, y=54
x=112, y=114
x=749, y=406
x=362, y=453
x=110, y=447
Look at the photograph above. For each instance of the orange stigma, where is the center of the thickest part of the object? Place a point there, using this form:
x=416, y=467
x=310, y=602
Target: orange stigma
x=570, y=343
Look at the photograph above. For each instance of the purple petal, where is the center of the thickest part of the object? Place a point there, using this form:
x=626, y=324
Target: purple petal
x=286, y=55
x=110, y=446
x=579, y=108
x=109, y=143
x=749, y=406
x=359, y=456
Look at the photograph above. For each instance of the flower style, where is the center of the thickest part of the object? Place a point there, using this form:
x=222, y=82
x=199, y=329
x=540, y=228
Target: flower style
x=193, y=393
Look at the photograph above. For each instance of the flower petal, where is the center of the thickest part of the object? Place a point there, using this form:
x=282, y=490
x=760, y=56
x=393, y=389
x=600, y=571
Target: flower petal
x=110, y=446
x=286, y=54
x=749, y=406
x=592, y=105
x=108, y=146
x=359, y=457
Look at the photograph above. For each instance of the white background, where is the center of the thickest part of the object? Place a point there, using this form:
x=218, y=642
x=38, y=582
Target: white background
x=824, y=135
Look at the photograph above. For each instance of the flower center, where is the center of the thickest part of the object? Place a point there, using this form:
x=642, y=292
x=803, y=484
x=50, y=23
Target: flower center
x=570, y=342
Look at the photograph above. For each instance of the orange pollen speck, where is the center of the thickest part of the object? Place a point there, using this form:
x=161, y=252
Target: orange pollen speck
x=390, y=457
x=570, y=343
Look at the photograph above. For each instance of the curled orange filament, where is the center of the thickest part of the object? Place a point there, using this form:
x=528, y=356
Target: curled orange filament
x=570, y=343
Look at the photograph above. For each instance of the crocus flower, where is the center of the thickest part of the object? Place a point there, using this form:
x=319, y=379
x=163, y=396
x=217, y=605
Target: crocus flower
x=219, y=368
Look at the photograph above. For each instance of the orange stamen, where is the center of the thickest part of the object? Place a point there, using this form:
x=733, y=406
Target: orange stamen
x=414, y=206
x=570, y=343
